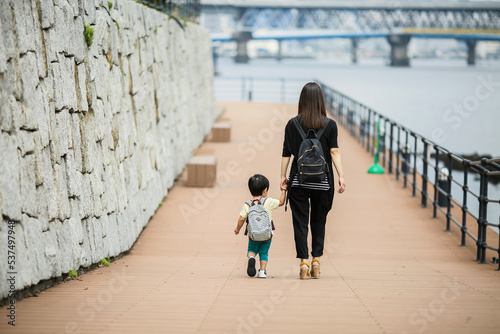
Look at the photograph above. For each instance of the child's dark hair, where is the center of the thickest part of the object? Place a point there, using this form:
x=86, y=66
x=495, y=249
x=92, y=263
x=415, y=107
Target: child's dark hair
x=257, y=184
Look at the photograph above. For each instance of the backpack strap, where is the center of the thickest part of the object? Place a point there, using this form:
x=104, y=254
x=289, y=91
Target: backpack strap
x=320, y=132
x=263, y=200
x=301, y=130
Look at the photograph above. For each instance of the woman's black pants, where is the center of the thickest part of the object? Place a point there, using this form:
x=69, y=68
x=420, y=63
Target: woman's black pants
x=303, y=201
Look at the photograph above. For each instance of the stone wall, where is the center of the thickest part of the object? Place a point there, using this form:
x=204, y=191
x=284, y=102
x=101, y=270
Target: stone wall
x=92, y=139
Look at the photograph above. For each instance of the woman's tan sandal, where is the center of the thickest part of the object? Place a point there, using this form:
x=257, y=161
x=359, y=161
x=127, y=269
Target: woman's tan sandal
x=315, y=272
x=304, y=272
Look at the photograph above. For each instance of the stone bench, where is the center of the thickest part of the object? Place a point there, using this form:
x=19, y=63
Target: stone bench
x=221, y=132
x=201, y=171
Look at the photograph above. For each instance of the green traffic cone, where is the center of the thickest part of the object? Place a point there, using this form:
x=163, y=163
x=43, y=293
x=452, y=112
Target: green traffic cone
x=376, y=168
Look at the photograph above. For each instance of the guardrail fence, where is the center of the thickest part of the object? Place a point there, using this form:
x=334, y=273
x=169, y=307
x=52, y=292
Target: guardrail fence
x=429, y=169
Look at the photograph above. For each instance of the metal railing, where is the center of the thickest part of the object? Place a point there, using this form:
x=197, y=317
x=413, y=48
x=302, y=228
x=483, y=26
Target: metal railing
x=423, y=164
x=184, y=9
x=258, y=89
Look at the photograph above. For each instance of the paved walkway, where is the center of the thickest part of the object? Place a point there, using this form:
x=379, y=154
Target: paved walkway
x=388, y=267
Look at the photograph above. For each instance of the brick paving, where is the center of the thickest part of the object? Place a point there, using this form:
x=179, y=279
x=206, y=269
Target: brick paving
x=388, y=266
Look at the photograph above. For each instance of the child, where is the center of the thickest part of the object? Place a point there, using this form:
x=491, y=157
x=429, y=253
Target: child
x=259, y=186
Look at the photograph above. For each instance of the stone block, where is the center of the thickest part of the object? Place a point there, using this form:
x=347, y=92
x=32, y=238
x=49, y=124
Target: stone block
x=51, y=249
x=9, y=178
x=7, y=31
x=76, y=141
x=73, y=176
x=23, y=263
x=86, y=206
x=75, y=228
x=32, y=96
x=24, y=27
x=90, y=11
x=3, y=56
x=86, y=251
x=26, y=142
x=79, y=45
x=51, y=44
x=61, y=183
x=47, y=10
x=43, y=111
x=65, y=245
x=117, y=93
x=33, y=232
x=63, y=131
x=99, y=120
x=81, y=88
x=44, y=178
x=63, y=28
x=88, y=144
x=63, y=73
x=29, y=201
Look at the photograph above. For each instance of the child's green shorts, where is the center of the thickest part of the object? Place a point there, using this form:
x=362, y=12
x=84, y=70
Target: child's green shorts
x=259, y=247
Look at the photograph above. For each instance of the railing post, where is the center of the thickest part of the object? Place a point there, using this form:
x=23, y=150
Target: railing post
x=465, y=189
x=399, y=152
x=405, y=157
x=368, y=129
x=414, y=165
x=436, y=184
x=283, y=90
x=424, y=174
x=448, y=195
x=243, y=89
x=382, y=143
x=484, y=204
x=391, y=144
x=250, y=89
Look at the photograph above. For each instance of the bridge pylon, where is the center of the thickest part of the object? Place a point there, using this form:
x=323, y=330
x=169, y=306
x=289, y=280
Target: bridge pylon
x=354, y=50
x=399, y=49
x=471, y=52
x=242, y=38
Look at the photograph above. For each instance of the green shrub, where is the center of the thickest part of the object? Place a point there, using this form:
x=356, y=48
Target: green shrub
x=105, y=262
x=89, y=34
x=73, y=274
x=110, y=5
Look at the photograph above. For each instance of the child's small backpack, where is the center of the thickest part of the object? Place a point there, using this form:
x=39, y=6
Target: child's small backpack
x=311, y=164
x=258, y=223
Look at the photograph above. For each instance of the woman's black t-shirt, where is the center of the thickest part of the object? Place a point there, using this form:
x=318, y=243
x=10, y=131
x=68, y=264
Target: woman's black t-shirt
x=292, y=142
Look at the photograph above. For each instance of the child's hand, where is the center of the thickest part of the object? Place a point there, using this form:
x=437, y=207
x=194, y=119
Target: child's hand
x=236, y=231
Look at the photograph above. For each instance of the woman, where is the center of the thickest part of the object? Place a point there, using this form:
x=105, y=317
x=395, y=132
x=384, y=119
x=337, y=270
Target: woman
x=318, y=197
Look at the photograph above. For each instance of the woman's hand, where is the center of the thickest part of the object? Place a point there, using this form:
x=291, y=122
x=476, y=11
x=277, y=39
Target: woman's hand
x=341, y=184
x=283, y=184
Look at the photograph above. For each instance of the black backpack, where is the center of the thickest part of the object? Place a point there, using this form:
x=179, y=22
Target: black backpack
x=311, y=163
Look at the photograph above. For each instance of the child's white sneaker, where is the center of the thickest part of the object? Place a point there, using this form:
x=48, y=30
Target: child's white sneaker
x=262, y=274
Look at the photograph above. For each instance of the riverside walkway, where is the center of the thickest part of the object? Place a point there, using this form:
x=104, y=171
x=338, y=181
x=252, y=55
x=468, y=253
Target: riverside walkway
x=388, y=266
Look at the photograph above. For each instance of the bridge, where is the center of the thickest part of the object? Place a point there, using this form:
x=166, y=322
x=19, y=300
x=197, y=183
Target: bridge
x=388, y=267
x=398, y=22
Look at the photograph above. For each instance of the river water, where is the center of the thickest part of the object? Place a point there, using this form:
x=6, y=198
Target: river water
x=450, y=103
x=446, y=101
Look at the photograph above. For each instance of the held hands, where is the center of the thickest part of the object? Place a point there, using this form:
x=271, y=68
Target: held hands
x=341, y=185
x=284, y=183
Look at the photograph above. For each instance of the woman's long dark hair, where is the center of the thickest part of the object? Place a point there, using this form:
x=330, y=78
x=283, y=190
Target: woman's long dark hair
x=312, y=106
